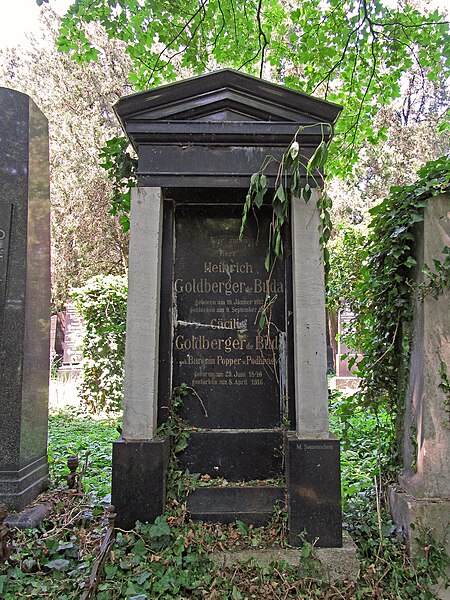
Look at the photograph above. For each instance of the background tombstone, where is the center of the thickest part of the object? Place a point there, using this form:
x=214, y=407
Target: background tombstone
x=345, y=376
x=201, y=290
x=72, y=331
x=422, y=499
x=24, y=299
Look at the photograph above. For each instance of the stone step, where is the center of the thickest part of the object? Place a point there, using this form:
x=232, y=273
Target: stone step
x=253, y=504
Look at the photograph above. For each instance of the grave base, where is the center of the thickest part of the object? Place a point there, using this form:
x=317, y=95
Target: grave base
x=206, y=451
x=314, y=491
x=254, y=505
x=19, y=488
x=423, y=513
x=329, y=564
x=139, y=480
x=414, y=516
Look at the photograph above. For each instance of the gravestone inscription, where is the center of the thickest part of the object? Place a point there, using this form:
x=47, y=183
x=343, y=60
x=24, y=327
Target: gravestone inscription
x=74, y=331
x=229, y=337
x=5, y=227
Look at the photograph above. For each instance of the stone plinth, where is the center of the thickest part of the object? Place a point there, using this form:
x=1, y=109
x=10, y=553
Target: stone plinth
x=24, y=299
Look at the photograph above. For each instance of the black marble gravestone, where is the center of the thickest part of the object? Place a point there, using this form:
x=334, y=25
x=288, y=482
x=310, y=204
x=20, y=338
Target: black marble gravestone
x=201, y=140
x=24, y=298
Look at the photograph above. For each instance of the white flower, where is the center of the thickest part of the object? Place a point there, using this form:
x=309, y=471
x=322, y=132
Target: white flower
x=293, y=150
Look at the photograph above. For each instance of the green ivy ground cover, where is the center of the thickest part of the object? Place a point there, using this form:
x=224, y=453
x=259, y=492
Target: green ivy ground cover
x=169, y=559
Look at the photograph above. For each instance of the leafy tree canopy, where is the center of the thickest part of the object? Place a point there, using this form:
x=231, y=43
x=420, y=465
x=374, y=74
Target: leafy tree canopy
x=352, y=52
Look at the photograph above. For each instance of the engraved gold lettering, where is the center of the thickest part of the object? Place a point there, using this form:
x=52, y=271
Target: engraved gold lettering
x=201, y=342
x=203, y=286
x=210, y=267
x=267, y=287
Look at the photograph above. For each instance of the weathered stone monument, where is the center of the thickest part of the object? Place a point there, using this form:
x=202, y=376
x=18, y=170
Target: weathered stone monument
x=24, y=298
x=259, y=403
x=422, y=498
x=346, y=359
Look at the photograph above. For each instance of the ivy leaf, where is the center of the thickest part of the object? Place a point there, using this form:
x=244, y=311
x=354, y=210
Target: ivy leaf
x=416, y=218
x=259, y=198
x=262, y=320
x=294, y=150
x=306, y=192
x=160, y=528
x=318, y=159
x=410, y=262
x=60, y=564
x=280, y=194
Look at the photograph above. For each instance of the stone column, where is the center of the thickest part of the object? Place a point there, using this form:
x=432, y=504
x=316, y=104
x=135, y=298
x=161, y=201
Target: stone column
x=140, y=460
x=24, y=299
x=312, y=454
x=310, y=349
x=424, y=497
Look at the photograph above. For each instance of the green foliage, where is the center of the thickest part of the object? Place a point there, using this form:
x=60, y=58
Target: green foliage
x=72, y=434
x=179, y=482
x=444, y=385
x=170, y=558
x=346, y=261
x=121, y=169
x=354, y=53
x=367, y=444
x=382, y=299
x=102, y=303
x=439, y=278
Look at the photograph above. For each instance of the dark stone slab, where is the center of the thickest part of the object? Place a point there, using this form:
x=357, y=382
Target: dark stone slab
x=218, y=129
x=253, y=505
x=29, y=518
x=235, y=455
x=314, y=491
x=139, y=480
x=237, y=369
x=24, y=298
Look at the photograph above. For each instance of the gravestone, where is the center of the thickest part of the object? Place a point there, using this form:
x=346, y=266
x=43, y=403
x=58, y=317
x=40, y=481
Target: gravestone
x=422, y=497
x=345, y=374
x=258, y=402
x=24, y=299
x=74, y=331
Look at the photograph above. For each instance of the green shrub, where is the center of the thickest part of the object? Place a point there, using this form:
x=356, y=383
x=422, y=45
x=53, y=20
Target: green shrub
x=102, y=301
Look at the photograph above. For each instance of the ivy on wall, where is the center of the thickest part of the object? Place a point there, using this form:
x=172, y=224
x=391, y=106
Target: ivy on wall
x=383, y=296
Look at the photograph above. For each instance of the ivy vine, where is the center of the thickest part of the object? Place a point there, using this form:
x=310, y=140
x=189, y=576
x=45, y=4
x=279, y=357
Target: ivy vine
x=293, y=168
x=383, y=297
x=121, y=166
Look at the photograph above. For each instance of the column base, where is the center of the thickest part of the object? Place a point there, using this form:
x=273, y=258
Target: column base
x=19, y=488
x=139, y=473
x=413, y=515
x=313, y=482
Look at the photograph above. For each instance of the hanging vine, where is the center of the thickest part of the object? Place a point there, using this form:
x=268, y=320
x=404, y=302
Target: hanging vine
x=295, y=172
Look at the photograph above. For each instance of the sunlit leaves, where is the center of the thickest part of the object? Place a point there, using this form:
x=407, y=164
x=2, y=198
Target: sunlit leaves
x=351, y=53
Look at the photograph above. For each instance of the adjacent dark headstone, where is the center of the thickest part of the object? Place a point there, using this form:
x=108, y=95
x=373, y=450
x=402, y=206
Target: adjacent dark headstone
x=24, y=299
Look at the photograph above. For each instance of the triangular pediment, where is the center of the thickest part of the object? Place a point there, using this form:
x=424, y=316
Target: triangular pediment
x=225, y=96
